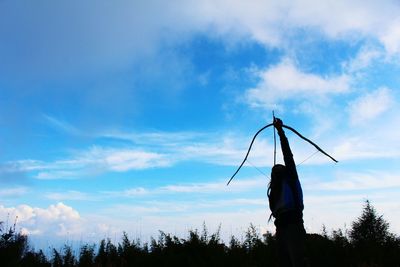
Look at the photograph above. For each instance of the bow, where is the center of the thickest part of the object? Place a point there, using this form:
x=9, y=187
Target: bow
x=284, y=126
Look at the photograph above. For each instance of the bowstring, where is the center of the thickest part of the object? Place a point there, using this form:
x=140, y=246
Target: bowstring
x=293, y=130
x=297, y=165
x=258, y=169
x=312, y=155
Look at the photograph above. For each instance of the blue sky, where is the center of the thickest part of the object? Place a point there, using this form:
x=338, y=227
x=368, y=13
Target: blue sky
x=133, y=115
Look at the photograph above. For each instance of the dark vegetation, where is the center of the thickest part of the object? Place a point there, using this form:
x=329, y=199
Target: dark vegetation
x=368, y=243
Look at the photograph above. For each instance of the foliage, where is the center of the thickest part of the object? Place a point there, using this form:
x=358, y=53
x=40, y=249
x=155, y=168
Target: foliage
x=369, y=243
x=370, y=229
x=373, y=244
x=12, y=246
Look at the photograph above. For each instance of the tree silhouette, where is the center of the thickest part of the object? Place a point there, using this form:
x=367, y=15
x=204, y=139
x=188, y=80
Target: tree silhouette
x=86, y=256
x=370, y=228
x=369, y=244
x=371, y=238
x=13, y=246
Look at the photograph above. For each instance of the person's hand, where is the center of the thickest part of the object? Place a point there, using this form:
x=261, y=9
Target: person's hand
x=278, y=124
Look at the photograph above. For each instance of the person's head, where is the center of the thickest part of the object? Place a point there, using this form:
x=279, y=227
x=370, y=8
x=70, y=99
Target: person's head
x=278, y=173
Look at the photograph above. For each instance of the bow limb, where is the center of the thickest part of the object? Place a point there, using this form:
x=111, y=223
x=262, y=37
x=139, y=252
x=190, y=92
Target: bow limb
x=248, y=151
x=311, y=142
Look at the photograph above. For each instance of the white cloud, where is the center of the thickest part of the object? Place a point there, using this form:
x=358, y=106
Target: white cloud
x=370, y=106
x=128, y=31
x=257, y=20
x=285, y=81
x=272, y=22
x=338, y=18
x=390, y=36
x=56, y=220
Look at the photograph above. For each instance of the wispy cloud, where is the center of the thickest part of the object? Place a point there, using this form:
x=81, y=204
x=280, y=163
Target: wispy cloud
x=372, y=138
x=360, y=181
x=62, y=125
x=13, y=192
x=131, y=192
x=239, y=185
x=365, y=57
x=211, y=147
x=166, y=208
x=156, y=138
x=123, y=160
x=69, y=195
x=90, y=162
x=190, y=188
x=166, y=150
x=226, y=149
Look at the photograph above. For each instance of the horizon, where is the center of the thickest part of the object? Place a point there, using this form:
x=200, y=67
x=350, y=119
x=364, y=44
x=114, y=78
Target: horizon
x=133, y=116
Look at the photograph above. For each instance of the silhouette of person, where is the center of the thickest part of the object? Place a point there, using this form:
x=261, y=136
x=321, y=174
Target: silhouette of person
x=286, y=203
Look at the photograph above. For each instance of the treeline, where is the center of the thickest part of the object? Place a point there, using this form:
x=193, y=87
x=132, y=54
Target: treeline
x=368, y=243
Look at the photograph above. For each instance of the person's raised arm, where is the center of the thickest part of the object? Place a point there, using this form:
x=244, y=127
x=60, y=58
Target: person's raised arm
x=286, y=151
